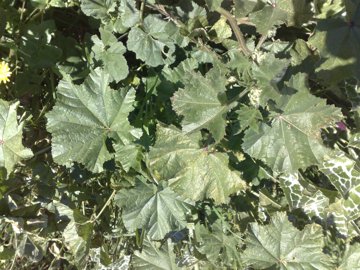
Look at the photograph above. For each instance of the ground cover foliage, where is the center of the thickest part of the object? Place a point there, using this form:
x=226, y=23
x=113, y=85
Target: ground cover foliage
x=156, y=134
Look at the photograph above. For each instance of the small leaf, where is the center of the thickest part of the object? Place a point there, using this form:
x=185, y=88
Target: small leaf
x=222, y=30
x=111, y=53
x=219, y=246
x=99, y=9
x=154, y=42
x=249, y=117
x=267, y=74
x=155, y=257
x=213, y=4
x=11, y=149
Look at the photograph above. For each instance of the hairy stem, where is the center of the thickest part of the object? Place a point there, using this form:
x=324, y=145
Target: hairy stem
x=238, y=34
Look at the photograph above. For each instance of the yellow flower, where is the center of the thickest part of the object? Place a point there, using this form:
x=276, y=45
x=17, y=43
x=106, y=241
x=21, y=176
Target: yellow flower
x=5, y=72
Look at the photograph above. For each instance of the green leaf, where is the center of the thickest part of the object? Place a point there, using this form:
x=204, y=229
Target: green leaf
x=244, y=7
x=85, y=116
x=154, y=256
x=249, y=117
x=293, y=139
x=351, y=258
x=194, y=172
x=267, y=74
x=77, y=233
x=99, y=9
x=276, y=12
x=36, y=47
x=129, y=156
x=283, y=246
x=213, y=4
x=203, y=103
x=338, y=44
x=129, y=14
x=111, y=53
x=220, y=246
x=158, y=210
x=154, y=42
x=11, y=148
x=222, y=30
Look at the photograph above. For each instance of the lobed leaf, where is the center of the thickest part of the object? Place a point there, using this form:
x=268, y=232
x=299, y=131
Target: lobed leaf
x=192, y=172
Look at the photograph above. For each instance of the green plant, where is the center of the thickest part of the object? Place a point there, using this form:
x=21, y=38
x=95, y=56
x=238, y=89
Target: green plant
x=205, y=134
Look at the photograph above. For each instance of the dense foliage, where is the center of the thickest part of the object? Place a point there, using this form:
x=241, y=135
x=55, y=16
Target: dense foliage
x=158, y=134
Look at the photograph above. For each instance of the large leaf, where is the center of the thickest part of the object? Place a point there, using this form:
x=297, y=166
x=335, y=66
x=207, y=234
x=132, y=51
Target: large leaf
x=283, y=246
x=196, y=173
x=155, y=209
x=85, y=116
x=277, y=12
x=203, y=103
x=155, y=257
x=11, y=148
x=293, y=139
x=111, y=53
x=154, y=42
x=338, y=43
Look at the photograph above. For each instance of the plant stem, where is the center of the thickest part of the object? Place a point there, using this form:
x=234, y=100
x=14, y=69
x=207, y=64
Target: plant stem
x=142, y=7
x=239, y=96
x=261, y=42
x=238, y=34
x=44, y=150
x=93, y=219
x=105, y=205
